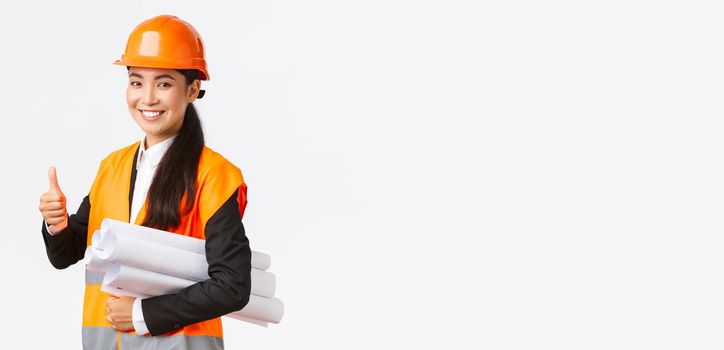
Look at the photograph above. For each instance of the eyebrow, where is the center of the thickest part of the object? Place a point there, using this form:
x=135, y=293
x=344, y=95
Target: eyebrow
x=156, y=78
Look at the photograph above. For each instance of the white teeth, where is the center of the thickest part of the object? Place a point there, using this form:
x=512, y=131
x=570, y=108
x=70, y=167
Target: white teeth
x=150, y=114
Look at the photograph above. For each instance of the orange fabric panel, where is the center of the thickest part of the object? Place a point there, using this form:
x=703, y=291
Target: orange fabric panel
x=109, y=193
x=91, y=316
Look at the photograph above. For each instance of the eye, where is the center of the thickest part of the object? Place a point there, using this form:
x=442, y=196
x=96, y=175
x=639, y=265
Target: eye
x=135, y=83
x=164, y=85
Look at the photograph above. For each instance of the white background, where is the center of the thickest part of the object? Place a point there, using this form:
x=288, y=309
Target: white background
x=425, y=175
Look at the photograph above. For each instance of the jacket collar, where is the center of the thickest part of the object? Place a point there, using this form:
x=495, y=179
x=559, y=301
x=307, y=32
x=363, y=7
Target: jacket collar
x=152, y=156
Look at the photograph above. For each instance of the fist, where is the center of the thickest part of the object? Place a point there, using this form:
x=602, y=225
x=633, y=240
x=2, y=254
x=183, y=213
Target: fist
x=120, y=312
x=52, y=204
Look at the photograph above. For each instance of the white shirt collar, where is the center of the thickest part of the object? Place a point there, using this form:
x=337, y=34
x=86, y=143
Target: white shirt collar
x=153, y=154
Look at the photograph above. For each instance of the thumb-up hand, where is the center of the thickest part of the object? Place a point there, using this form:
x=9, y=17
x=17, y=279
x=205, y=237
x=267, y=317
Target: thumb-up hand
x=52, y=204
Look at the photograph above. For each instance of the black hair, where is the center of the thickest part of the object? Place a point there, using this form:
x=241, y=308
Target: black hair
x=174, y=182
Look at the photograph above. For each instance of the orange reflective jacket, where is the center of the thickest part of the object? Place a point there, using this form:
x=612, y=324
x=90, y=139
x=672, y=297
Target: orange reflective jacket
x=216, y=182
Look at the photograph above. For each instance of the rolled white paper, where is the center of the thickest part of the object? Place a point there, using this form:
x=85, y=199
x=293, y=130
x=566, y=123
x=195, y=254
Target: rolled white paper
x=154, y=283
x=123, y=249
x=91, y=259
x=189, y=244
x=117, y=291
x=263, y=283
x=94, y=263
x=261, y=308
x=259, y=260
x=96, y=238
x=175, y=261
x=258, y=308
x=142, y=281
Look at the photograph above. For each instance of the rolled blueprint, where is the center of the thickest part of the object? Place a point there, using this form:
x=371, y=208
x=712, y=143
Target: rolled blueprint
x=96, y=238
x=93, y=262
x=258, y=308
x=259, y=260
x=117, y=291
x=143, y=282
x=144, y=262
x=126, y=250
x=182, y=242
x=91, y=258
x=261, y=308
x=146, y=282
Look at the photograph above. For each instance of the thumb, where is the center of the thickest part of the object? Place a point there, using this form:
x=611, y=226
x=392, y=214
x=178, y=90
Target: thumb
x=53, y=178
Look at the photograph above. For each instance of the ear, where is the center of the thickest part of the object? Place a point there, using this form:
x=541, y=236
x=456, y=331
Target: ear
x=192, y=91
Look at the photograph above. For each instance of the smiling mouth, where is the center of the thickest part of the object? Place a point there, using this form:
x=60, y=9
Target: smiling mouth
x=151, y=114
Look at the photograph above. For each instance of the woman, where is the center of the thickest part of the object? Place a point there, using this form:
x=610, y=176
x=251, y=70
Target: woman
x=171, y=181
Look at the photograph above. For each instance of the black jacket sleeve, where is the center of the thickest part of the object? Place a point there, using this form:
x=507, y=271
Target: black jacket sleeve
x=227, y=289
x=67, y=247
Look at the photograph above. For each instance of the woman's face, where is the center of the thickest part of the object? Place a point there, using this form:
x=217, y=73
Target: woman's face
x=157, y=99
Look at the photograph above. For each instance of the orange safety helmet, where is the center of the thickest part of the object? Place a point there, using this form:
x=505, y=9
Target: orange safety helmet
x=165, y=42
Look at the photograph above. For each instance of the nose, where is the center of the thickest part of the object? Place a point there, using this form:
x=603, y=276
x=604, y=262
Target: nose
x=149, y=96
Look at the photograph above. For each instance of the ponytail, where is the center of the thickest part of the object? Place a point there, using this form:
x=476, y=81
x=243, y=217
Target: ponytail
x=174, y=183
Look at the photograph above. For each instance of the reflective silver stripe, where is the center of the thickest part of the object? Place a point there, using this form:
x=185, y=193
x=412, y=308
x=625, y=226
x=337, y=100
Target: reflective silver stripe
x=106, y=338
x=100, y=338
x=94, y=277
x=175, y=342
